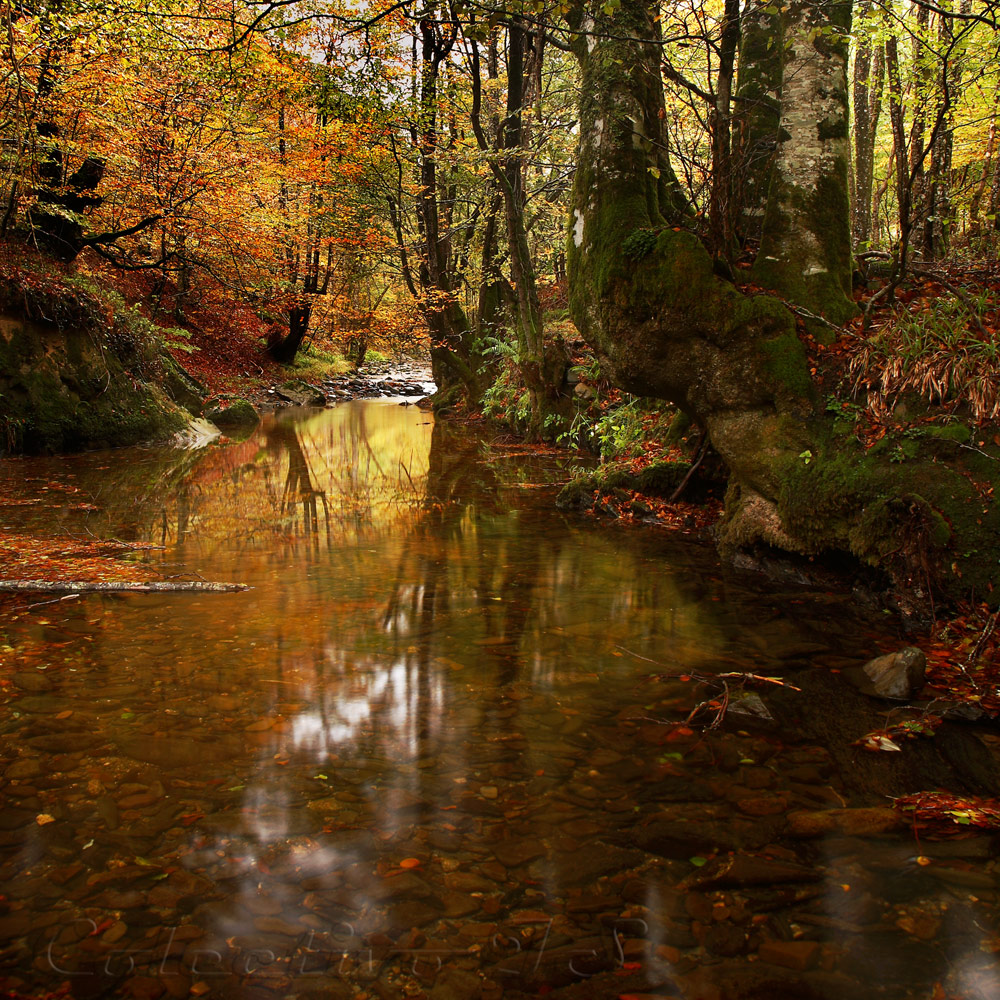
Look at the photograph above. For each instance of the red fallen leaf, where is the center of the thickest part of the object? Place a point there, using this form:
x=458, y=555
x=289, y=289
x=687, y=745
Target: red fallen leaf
x=101, y=927
x=409, y=863
x=192, y=818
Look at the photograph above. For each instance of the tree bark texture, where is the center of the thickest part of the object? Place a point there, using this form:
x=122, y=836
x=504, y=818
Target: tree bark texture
x=869, y=80
x=805, y=251
x=643, y=293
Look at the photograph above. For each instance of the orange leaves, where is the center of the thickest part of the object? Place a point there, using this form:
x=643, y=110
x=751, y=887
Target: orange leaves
x=944, y=814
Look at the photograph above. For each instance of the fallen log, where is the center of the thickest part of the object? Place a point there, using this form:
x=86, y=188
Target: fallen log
x=110, y=587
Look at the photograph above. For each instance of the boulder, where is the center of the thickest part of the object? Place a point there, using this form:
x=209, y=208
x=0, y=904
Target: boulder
x=235, y=413
x=301, y=393
x=79, y=386
x=897, y=675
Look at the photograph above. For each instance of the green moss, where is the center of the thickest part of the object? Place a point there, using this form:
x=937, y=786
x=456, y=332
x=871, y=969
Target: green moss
x=955, y=431
x=785, y=362
x=237, y=413
x=60, y=392
x=658, y=479
x=922, y=521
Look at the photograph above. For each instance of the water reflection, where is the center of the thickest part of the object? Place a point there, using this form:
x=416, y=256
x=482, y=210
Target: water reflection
x=443, y=706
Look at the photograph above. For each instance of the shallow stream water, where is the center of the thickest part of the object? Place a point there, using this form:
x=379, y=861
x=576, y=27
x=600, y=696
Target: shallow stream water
x=440, y=748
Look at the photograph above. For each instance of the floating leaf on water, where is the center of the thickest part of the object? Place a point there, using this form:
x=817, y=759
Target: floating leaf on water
x=698, y=861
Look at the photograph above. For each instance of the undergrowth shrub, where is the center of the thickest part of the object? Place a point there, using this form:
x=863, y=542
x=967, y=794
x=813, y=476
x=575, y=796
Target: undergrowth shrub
x=948, y=354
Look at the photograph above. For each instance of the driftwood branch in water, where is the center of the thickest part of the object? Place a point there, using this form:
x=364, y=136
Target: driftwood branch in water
x=110, y=587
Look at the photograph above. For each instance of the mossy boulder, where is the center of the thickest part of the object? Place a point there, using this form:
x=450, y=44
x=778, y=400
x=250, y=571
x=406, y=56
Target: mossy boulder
x=67, y=389
x=659, y=479
x=236, y=413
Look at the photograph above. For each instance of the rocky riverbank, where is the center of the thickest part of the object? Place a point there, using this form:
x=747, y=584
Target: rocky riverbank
x=409, y=379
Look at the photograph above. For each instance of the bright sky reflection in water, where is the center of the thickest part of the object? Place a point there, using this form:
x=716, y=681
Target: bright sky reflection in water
x=436, y=666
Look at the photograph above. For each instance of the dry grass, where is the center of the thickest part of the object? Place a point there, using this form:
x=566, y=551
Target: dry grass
x=948, y=353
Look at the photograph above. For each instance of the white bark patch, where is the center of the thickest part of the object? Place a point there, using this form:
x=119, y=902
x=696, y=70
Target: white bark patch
x=577, y=229
x=811, y=84
x=588, y=26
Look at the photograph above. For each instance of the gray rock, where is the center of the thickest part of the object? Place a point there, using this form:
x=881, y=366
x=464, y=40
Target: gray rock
x=301, y=393
x=897, y=675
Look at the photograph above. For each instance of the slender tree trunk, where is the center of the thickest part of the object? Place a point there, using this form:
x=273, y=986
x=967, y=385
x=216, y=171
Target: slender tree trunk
x=869, y=79
x=917, y=150
x=721, y=198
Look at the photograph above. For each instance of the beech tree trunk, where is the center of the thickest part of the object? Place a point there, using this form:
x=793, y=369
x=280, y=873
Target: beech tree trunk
x=644, y=295
x=805, y=251
x=758, y=115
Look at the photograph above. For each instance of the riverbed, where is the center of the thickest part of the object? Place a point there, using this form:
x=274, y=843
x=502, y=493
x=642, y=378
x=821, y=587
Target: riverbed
x=446, y=745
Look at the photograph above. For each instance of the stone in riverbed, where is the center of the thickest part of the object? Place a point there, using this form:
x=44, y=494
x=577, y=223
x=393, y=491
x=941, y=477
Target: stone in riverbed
x=798, y=955
x=897, y=675
x=21, y=769
x=32, y=680
x=741, y=870
x=301, y=393
x=514, y=853
x=864, y=822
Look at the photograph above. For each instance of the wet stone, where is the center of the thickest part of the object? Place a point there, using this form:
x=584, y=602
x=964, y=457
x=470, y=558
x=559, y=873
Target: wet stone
x=514, y=853
x=23, y=769
x=798, y=955
x=410, y=913
x=32, y=680
x=742, y=870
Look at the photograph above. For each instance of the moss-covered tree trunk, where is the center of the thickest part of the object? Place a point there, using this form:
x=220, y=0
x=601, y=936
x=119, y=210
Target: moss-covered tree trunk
x=644, y=295
x=758, y=114
x=805, y=251
x=642, y=288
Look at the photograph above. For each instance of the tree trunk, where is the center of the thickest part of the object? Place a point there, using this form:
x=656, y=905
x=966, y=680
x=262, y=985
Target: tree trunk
x=720, y=206
x=643, y=292
x=284, y=349
x=805, y=251
x=869, y=78
x=644, y=295
x=758, y=116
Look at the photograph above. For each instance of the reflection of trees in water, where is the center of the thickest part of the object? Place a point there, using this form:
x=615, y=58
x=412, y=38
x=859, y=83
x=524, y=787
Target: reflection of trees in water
x=466, y=547
x=300, y=486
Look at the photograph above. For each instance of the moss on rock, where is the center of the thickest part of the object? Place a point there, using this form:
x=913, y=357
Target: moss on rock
x=67, y=390
x=658, y=479
x=235, y=413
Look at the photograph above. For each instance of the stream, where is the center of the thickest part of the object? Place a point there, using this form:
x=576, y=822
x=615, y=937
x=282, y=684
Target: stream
x=440, y=748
